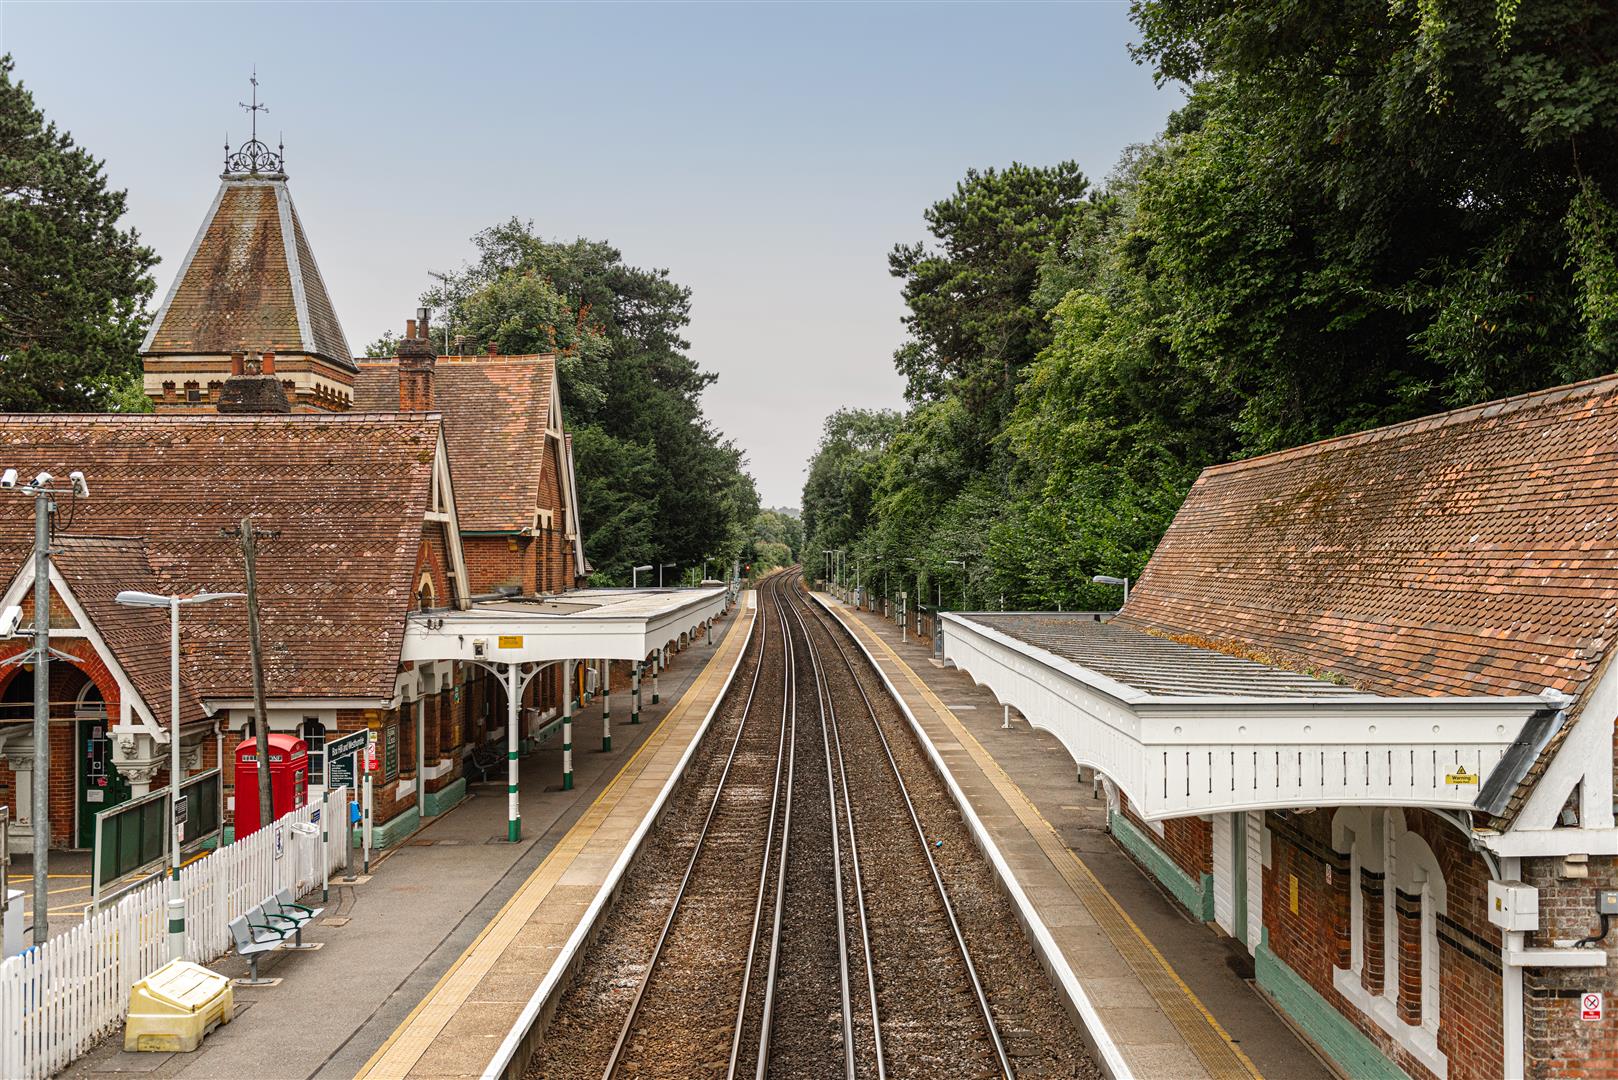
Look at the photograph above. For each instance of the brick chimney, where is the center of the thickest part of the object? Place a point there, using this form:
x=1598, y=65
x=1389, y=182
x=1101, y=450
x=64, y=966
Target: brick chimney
x=253, y=387
x=417, y=361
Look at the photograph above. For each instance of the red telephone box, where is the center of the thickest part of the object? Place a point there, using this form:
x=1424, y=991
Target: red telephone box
x=289, y=779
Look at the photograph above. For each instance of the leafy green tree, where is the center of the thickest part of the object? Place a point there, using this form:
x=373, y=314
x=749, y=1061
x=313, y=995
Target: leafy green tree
x=1363, y=213
x=657, y=483
x=73, y=285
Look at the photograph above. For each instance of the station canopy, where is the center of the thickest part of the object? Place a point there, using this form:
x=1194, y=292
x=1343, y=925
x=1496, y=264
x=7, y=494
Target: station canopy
x=607, y=624
x=1185, y=730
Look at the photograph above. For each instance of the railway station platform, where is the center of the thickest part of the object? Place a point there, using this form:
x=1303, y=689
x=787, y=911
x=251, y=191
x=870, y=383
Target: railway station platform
x=458, y=1026
x=1173, y=996
x=424, y=929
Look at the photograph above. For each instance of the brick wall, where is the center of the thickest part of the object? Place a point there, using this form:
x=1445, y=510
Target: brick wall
x=1559, y=1043
x=1188, y=842
x=67, y=679
x=1306, y=912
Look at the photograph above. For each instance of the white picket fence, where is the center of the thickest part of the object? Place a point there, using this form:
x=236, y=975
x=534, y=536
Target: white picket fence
x=58, y=999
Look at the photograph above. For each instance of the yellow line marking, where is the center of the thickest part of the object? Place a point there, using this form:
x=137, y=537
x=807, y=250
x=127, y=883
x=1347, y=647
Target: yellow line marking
x=1088, y=888
x=415, y=1034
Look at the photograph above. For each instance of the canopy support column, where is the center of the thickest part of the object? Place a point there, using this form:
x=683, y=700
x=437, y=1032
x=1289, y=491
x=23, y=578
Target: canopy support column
x=606, y=706
x=634, y=688
x=567, y=724
x=657, y=663
x=513, y=811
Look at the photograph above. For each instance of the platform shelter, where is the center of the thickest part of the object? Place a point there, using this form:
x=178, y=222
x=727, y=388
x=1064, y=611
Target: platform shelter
x=516, y=638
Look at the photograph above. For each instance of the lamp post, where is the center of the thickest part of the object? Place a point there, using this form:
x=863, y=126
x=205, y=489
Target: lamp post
x=1103, y=579
x=634, y=575
x=962, y=564
x=827, y=552
x=660, y=568
x=133, y=598
x=42, y=488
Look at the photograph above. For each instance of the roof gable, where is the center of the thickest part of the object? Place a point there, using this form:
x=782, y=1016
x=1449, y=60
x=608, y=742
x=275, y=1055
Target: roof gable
x=1466, y=553
x=496, y=410
x=249, y=284
x=348, y=494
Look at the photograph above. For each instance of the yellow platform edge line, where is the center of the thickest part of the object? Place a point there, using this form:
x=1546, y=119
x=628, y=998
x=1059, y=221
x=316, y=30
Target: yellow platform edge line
x=568, y=845
x=987, y=762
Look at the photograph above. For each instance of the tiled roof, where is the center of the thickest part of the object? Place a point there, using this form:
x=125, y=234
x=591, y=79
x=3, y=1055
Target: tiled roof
x=96, y=569
x=348, y=494
x=1150, y=664
x=249, y=284
x=495, y=412
x=1467, y=553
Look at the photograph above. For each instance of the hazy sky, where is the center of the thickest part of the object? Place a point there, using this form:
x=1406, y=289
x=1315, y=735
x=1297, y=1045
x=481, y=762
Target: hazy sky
x=769, y=156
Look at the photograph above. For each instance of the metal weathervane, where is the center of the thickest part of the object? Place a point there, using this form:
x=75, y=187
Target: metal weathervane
x=253, y=156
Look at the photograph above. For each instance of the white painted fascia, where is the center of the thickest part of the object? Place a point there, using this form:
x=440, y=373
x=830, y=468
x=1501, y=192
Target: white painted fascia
x=1137, y=738
x=1585, y=758
x=185, y=266
x=1549, y=843
x=213, y=705
x=21, y=586
x=444, y=503
x=450, y=635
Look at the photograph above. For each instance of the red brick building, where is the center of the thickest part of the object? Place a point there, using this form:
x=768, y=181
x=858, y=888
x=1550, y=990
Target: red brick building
x=516, y=493
x=1358, y=714
x=256, y=392
x=362, y=510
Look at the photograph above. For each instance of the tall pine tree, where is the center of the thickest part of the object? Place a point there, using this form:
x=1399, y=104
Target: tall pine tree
x=73, y=285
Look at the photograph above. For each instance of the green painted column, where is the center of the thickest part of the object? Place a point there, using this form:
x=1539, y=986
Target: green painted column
x=606, y=705
x=567, y=724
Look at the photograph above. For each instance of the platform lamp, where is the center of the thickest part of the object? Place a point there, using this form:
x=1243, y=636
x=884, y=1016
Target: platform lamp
x=1103, y=579
x=634, y=575
x=134, y=598
x=43, y=488
x=660, y=568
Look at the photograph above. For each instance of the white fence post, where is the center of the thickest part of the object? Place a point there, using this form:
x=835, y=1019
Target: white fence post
x=58, y=998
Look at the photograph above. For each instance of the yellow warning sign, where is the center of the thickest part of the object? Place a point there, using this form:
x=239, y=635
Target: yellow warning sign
x=1460, y=776
x=510, y=641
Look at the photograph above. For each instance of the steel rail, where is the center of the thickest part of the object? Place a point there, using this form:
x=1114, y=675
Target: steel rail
x=834, y=745
x=921, y=838
x=614, y=1058
x=787, y=683
x=766, y=1019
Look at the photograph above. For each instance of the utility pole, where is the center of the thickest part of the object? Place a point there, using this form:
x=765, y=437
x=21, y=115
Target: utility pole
x=250, y=537
x=42, y=710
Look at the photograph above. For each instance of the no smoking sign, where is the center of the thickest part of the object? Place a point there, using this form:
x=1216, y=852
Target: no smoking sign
x=1590, y=1007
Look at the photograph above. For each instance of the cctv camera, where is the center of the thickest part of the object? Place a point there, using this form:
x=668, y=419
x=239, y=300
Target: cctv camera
x=81, y=487
x=10, y=618
x=8, y=479
x=43, y=480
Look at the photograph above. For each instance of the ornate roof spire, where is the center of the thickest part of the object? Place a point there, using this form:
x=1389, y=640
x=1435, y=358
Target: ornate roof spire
x=253, y=157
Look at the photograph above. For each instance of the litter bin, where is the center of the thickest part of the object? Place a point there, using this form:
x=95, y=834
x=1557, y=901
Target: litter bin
x=306, y=850
x=175, y=1006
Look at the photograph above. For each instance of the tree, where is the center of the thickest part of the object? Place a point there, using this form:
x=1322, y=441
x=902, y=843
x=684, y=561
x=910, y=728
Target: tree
x=73, y=286
x=657, y=483
x=1363, y=213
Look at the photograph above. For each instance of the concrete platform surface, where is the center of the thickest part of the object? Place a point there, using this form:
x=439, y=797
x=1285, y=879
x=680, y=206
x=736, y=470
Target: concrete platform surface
x=390, y=939
x=457, y=1028
x=1173, y=995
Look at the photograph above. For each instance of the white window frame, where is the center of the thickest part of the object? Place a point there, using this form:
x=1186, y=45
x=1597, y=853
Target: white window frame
x=1379, y=839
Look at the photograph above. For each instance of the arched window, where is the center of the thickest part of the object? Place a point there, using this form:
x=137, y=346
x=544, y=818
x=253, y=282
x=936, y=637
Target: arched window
x=425, y=594
x=1396, y=894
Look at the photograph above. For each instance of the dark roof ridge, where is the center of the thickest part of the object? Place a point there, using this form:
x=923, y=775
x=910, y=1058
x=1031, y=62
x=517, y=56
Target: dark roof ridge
x=1460, y=414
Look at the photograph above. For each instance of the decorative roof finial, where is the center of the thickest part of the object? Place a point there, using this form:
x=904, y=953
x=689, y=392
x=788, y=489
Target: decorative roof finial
x=253, y=157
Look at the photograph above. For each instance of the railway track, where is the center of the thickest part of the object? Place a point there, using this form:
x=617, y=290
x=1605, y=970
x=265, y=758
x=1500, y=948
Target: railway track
x=793, y=916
